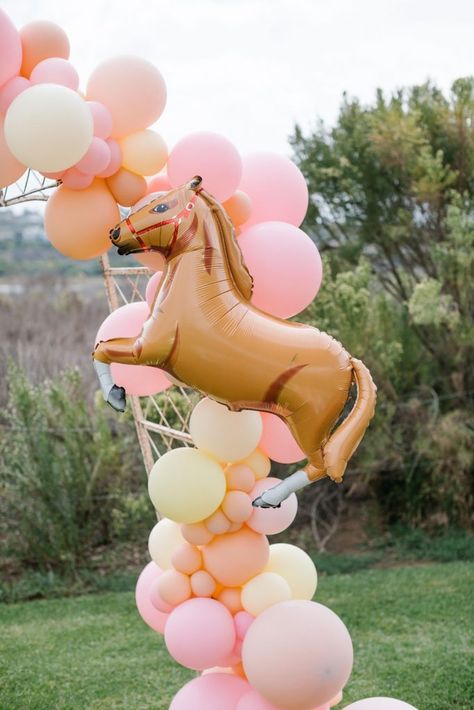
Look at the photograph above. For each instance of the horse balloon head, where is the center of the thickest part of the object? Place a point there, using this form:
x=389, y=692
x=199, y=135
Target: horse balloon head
x=157, y=225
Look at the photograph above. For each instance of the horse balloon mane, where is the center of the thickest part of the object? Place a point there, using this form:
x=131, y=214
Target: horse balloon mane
x=204, y=332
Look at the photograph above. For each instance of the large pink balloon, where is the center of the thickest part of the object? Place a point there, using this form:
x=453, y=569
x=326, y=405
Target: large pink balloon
x=211, y=156
x=254, y=701
x=155, y=619
x=126, y=322
x=285, y=265
x=10, y=49
x=277, y=441
x=271, y=521
x=55, y=70
x=213, y=691
x=297, y=654
x=380, y=704
x=200, y=633
x=276, y=187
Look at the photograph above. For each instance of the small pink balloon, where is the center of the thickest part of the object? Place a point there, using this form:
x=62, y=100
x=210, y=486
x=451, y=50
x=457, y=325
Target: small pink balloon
x=243, y=621
x=102, y=119
x=124, y=322
x=74, y=179
x=10, y=91
x=96, y=159
x=276, y=187
x=152, y=287
x=285, y=265
x=156, y=599
x=115, y=159
x=211, y=156
x=55, y=71
x=159, y=183
x=271, y=521
x=10, y=49
x=195, y=620
x=213, y=691
x=277, y=441
x=155, y=619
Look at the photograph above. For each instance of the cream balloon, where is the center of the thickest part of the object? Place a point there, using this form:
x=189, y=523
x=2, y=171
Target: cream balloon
x=296, y=566
x=229, y=436
x=186, y=485
x=144, y=152
x=259, y=463
x=263, y=591
x=48, y=127
x=164, y=539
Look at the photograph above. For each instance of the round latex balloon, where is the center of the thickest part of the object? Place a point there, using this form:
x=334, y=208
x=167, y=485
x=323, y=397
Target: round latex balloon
x=297, y=654
x=259, y=463
x=271, y=521
x=276, y=188
x=263, y=591
x=187, y=558
x=218, y=523
x=240, y=478
x=254, y=701
x=243, y=621
x=102, y=119
x=127, y=187
x=380, y=704
x=211, y=156
x=231, y=597
x=115, y=159
x=73, y=179
x=213, y=691
x=196, y=533
x=156, y=599
x=40, y=40
x=55, y=71
x=235, y=558
x=202, y=584
x=285, y=265
x=186, y=485
x=152, y=287
x=10, y=49
x=10, y=91
x=237, y=506
x=296, y=566
x=144, y=152
x=193, y=622
x=96, y=159
x=132, y=89
x=174, y=587
x=165, y=538
x=10, y=168
x=60, y=134
x=126, y=320
x=159, y=183
x=277, y=441
x=238, y=207
x=229, y=436
x=77, y=222
x=155, y=619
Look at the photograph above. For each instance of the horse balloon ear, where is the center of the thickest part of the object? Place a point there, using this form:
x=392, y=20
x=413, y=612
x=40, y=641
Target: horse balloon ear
x=195, y=182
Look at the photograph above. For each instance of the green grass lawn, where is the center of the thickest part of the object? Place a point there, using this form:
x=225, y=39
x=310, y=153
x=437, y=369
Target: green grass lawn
x=412, y=629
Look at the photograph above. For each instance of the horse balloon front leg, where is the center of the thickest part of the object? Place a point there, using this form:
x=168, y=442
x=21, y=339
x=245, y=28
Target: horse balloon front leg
x=119, y=350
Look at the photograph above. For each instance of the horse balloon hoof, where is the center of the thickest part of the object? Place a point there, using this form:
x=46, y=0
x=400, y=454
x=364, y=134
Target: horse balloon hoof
x=117, y=399
x=260, y=502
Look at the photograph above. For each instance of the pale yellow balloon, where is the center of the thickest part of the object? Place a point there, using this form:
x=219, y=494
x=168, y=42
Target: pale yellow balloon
x=263, y=591
x=296, y=566
x=164, y=539
x=144, y=152
x=48, y=127
x=186, y=485
x=259, y=463
x=229, y=436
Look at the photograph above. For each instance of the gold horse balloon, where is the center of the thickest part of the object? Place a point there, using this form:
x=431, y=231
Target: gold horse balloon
x=204, y=331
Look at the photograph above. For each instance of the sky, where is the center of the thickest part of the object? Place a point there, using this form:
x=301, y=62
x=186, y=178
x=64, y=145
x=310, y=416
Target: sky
x=250, y=69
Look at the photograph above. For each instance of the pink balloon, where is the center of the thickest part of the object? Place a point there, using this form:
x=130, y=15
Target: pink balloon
x=254, y=701
x=10, y=91
x=277, y=441
x=243, y=621
x=276, y=187
x=379, y=704
x=102, y=119
x=285, y=265
x=115, y=159
x=126, y=322
x=76, y=180
x=55, y=71
x=213, y=691
x=10, y=49
x=271, y=521
x=159, y=183
x=209, y=155
x=156, y=599
x=200, y=633
x=152, y=287
x=155, y=619
x=97, y=158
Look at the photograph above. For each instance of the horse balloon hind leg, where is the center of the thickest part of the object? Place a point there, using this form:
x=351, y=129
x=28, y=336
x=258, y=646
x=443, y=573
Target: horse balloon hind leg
x=120, y=350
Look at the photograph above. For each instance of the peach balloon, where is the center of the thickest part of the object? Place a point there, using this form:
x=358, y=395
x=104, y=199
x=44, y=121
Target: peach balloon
x=55, y=71
x=202, y=584
x=115, y=159
x=196, y=533
x=96, y=159
x=218, y=523
x=133, y=90
x=74, y=179
x=186, y=559
x=77, y=222
x=173, y=587
x=240, y=478
x=237, y=506
x=102, y=119
x=231, y=597
x=10, y=168
x=143, y=152
x=277, y=441
x=152, y=287
x=157, y=601
x=234, y=527
x=259, y=463
x=10, y=49
x=40, y=40
x=297, y=654
x=235, y=558
x=238, y=207
x=10, y=91
x=126, y=187
x=271, y=521
x=159, y=183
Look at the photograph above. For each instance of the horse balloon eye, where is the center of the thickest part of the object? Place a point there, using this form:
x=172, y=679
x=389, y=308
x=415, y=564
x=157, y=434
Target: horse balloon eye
x=162, y=207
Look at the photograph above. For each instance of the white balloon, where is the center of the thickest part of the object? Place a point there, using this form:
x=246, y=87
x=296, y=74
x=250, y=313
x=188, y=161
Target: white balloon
x=379, y=704
x=48, y=127
x=164, y=539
